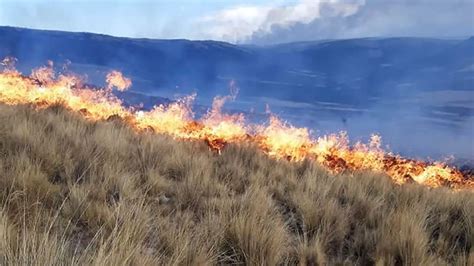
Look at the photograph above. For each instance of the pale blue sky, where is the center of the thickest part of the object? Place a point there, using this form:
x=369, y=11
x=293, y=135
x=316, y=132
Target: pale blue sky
x=132, y=18
x=258, y=21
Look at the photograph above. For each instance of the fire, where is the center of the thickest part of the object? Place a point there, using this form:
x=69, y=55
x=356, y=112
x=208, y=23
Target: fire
x=282, y=140
x=277, y=138
x=224, y=126
x=115, y=79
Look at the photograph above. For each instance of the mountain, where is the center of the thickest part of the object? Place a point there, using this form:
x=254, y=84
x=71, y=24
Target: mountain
x=343, y=71
x=412, y=91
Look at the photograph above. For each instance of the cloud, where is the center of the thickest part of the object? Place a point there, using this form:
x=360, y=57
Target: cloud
x=332, y=19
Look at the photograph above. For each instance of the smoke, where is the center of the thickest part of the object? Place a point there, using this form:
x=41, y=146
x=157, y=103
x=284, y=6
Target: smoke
x=413, y=132
x=336, y=19
x=382, y=18
x=411, y=128
x=241, y=23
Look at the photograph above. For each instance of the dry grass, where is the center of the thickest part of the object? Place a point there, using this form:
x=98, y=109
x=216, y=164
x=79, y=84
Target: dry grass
x=75, y=192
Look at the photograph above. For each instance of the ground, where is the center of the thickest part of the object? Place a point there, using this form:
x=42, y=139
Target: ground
x=78, y=192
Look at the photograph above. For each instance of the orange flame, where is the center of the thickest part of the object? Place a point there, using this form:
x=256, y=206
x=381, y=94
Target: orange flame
x=277, y=139
x=115, y=79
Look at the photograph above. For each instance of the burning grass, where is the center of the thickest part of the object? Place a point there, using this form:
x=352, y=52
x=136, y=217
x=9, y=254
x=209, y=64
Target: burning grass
x=76, y=191
x=45, y=88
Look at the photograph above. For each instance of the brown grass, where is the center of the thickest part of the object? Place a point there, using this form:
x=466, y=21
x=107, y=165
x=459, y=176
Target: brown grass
x=75, y=192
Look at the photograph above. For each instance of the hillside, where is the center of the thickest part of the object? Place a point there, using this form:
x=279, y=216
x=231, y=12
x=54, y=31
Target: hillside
x=79, y=192
x=387, y=86
x=341, y=71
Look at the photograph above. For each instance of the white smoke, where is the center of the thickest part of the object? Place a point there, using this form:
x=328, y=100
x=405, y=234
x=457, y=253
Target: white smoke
x=238, y=24
x=327, y=19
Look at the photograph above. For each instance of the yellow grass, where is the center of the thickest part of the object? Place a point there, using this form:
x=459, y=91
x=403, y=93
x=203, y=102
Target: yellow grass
x=75, y=192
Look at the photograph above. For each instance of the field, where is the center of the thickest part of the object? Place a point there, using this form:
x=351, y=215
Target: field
x=79, y=192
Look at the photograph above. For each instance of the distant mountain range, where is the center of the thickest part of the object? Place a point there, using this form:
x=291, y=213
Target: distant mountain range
x=358, y=72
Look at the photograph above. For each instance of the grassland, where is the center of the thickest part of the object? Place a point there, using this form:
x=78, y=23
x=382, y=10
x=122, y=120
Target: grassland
x=76, y=192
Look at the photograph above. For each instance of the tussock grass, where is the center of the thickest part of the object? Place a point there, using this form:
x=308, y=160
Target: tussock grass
x=76, y=192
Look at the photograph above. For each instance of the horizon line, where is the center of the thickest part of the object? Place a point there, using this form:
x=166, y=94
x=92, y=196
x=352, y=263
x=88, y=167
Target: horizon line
x=240, y=44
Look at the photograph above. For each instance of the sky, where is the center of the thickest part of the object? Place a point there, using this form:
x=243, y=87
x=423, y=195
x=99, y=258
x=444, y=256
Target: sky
x=251, y=21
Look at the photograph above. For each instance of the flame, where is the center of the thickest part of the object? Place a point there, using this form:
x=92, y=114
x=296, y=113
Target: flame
x=115, y=79
x=277, y=138
x=221, y=126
